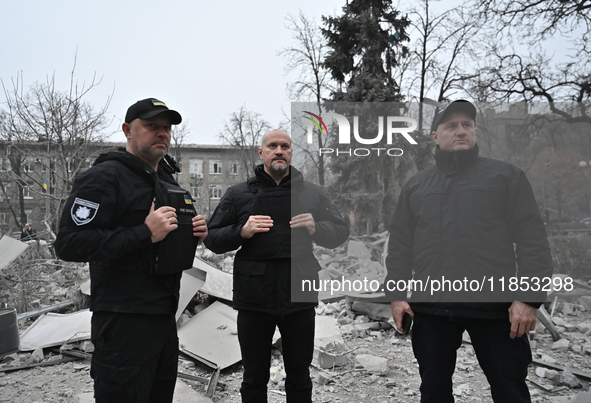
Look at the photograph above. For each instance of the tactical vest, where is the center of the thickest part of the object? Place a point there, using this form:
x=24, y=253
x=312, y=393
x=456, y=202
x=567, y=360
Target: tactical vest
x=281, y=241
x=176, y=251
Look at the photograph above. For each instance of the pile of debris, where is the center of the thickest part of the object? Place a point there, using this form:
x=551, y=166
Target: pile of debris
x=358, y=355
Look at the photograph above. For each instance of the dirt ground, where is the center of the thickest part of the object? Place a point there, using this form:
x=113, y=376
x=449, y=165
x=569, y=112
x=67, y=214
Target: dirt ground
x=347, y=383
x=39, y=281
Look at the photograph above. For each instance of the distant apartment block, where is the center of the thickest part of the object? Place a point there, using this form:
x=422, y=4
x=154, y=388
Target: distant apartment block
x=36, y=177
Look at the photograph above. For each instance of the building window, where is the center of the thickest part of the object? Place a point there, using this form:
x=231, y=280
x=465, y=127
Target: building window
x=27, y=193
x=215, y=166
x=44, y=164
x=197, y=191
x=196, y=168
x=5, y=165
x=5, y=194
x=4, y=218
x=215, y=191
x=234, y=167
x=28, y=164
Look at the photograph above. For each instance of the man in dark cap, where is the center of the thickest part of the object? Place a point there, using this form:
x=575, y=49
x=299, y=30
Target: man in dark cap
x=464, y=219
x=124, y=216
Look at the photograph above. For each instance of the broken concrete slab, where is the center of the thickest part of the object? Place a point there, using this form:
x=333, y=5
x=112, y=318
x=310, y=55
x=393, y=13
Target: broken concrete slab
x=358, y=250
x=561, y=345
x=541, y=372
x=568, y=379
x=36, y=357
x=10, y=249
x=567, y=308
x=373, y=364
x=217, y=283
x=192, y=281
x=329, y=345
x=53, y=329
x=210, y=336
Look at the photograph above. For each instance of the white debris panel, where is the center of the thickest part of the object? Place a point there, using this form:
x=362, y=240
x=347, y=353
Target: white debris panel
x=10, y=249
x=54, y=329
x=211, y=336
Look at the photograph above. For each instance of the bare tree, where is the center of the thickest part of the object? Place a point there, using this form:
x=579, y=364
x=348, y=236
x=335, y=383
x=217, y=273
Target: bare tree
x=541, y=18
x=439, y=55
x=305, y=57
x=49, y=137
x=518, y=65
x=180, y=133
x=244, y=130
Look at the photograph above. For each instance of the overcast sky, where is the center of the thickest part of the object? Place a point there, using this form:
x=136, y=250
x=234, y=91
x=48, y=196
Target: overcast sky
x=205, y=59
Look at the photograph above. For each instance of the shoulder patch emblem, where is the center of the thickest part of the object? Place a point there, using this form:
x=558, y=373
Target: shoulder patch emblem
x=83, y=211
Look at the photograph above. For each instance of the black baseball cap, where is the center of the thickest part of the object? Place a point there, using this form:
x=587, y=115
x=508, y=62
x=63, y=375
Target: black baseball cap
x=150, y=107
x=460, y=105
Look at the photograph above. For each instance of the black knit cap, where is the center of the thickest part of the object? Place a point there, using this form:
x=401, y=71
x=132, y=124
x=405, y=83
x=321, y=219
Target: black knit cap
x=150, y=107
x=460, y=105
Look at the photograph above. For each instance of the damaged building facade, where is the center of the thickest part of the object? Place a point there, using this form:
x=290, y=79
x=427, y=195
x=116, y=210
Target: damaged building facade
x=36, y=177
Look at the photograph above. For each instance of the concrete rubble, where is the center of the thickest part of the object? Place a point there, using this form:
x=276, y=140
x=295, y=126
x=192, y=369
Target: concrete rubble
x=373, y=364
x=358, y=356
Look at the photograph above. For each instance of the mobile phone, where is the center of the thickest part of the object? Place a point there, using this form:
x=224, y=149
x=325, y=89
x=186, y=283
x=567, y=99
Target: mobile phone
x=406, y=323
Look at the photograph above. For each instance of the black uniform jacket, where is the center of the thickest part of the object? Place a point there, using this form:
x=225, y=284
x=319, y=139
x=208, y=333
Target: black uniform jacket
x=263, y=266
x=103, y=223
x=468, y=217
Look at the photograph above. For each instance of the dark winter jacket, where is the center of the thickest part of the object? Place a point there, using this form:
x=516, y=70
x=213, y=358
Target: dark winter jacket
x=103, y=223
x=268, y=268
x=467, y=217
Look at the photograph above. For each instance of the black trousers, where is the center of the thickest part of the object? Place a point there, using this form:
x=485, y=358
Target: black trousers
x=435, y=340
x=135, y=357
x=255, y=334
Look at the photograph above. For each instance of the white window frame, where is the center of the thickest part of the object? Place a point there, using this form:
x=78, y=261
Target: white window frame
x=27, y=192
x=234, y=167
x=197, y=191
x=215, y=167
x=215, y=191
x=5, y=164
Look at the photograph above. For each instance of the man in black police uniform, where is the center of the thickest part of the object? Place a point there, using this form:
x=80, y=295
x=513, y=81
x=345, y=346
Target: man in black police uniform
x=461, y=218
x=274, y=217
x=116, y=219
